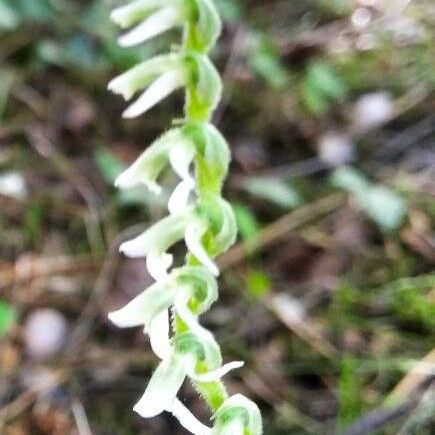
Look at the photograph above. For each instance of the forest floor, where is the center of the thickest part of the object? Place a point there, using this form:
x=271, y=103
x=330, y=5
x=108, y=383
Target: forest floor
x=329, y=294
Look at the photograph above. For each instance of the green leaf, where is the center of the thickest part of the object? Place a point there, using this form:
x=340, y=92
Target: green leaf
x=247, y=223
x=9, y=18
x=267, y=65
x=273, y=190
x=321, y=86
x=8, y=317
x=258, y=283
x=381, y=204
x=385, y=207
x=36, y=10
x=351, y=404
x=108, y=164
x=323, y=78
x=350, y=179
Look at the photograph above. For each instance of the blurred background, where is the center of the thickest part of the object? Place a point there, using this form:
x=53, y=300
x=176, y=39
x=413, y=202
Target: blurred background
x=329, y=295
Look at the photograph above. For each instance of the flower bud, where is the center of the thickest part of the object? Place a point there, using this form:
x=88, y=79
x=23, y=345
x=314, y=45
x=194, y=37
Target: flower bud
x=238, y=416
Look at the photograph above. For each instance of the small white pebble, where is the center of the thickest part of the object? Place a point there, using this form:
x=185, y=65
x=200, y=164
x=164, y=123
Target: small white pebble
x=335, y=149
x=372, y=110
x=288, y=308
x=368, y=3
x=12, y=184
x=361, y=18
x=44, y=333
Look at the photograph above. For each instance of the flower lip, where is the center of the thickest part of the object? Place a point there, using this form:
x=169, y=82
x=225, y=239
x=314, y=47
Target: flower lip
x=151, y=163
x=188, y=420
x=157, y=91
x=154, y=25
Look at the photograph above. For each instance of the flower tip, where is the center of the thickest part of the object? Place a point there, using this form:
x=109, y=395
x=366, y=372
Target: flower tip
x=131, y=112
x=238, y=364
x=118, y=319
x=129, y=249
x=124, y=181
x=115, y=87
x=115, y=16
x=145, y=410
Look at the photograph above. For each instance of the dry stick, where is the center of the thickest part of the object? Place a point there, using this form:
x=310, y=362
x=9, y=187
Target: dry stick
x=28, y=397
x=379, y=418
x=12, y=274
x=281, y=228
x=405, y=395
x=92, y=308
x=46, y=149
x=274, y=233
x=413, y=379
x=304, y=330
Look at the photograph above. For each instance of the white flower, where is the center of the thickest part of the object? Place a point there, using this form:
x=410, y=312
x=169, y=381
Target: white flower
x=156, y=92
x=179, y=199
x=155, y=241
x=154, y=25
x=189, y=282
x=188, y=350
x=127, y=15
x=141, y=75
x=162, y=74
x=157, y=16
x=150, y=164
x=237, y=416
x=150, y=308
x=146, y=306
x=187, y=419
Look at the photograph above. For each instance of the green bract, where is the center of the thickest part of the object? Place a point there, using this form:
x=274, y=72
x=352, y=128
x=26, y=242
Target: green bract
x=198, y=215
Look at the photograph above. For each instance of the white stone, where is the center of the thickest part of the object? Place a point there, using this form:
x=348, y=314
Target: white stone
x=44, y=333
x=335, y=149
x=372, y=110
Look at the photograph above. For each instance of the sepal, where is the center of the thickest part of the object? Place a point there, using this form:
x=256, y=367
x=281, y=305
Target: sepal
x=204, y=85
x=204, y=26
x=151, y=163
x=238, y=416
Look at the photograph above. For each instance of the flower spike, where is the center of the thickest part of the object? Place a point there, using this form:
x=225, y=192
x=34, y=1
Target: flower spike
x=198, y=215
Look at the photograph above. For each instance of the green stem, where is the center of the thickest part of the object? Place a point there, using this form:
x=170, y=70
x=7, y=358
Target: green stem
x=214, y=393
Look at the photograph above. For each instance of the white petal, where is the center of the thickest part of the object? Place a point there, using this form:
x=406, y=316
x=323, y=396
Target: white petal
x=217, y=374
x=253, y=423
x=157, y=91
x=233, y=427
x=129, y=179
x=179, y=200
x=141, y=75
x=159, y=335
x=158, y=264
x=154, y=25
x=158, y=238
x=162, y=388
x=144, y=307
x=181, y=157
x=194, y=233
x=188, y=420
x=148, y=166
x=181, y=301
x=127, y=15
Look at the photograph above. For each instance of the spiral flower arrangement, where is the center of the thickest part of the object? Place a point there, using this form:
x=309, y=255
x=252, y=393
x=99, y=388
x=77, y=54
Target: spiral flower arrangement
x=170, y=309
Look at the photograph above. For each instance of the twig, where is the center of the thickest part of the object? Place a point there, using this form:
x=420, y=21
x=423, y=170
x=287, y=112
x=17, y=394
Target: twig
x=280, y=229
x=80, y=418
x=379, y=418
